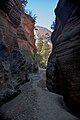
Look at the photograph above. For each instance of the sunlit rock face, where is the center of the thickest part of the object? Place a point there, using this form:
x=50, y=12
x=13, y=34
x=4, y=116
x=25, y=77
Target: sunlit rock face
x=63, y=69
x=13, y=71
x=26, y=41
x=27, y=24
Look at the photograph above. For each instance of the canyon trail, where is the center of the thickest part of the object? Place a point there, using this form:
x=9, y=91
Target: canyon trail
x=36, y=102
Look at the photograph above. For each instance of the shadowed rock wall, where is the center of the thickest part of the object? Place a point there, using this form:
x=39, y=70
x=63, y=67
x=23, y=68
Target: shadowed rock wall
x=13, y=70
x=63, y=69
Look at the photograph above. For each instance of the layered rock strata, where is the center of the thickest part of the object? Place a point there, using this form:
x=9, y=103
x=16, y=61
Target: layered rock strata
x=63, y=69
x=26, y=41
x=13, y=71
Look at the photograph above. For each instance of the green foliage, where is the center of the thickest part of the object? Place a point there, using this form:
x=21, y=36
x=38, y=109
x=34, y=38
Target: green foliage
x=53, y=25
x=29, y=12
x=34, y=17
x=39, y=45
x=43, y=52
x=24, y=3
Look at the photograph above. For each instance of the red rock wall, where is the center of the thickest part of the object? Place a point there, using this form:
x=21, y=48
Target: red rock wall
x=26, y=40
x=63, y=73
x=13, y=70
x=27, y=24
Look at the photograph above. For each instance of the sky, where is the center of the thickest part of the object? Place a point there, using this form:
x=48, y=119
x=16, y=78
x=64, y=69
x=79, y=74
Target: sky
x=44, y=10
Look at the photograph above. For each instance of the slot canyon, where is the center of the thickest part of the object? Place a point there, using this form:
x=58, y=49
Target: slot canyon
x=27, y=91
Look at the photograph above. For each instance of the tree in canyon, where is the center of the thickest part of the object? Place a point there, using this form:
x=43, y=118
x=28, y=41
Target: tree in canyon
x=43, y=52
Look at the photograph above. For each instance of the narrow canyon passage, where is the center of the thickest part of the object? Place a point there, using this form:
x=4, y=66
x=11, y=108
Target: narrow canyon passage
x=19, y=58
x=36, y=102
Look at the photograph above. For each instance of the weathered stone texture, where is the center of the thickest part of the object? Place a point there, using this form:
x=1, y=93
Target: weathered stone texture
x=27, y=24
x=18, y=68
x=13, y=70
x=11, y=8
x=9, y=33
x=63, y=69
x=26, y=41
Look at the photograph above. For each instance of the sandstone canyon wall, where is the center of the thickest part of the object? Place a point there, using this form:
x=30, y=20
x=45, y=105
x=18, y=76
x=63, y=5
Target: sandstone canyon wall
x=26, y=41
x=63, y=69
x=13, y=66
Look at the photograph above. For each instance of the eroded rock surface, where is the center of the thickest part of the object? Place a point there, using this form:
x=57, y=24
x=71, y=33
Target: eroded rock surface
x=63, y=69
x=13, y=71
x=26, y=41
